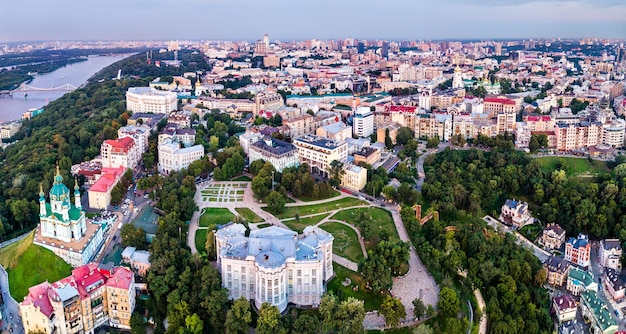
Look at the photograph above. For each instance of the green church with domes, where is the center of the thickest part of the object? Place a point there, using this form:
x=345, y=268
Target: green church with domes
x=63, y=226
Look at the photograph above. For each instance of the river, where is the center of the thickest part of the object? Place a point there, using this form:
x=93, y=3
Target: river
x=75, y=74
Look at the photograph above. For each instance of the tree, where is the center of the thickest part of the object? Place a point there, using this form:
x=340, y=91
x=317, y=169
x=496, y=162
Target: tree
x=275, y=202
x=537, y=141
x=255, y=166
x=458, y=140
x=307, y=324
x=239, y=317
x=117, y=193
x=418, y=308
x=193, y=325
x=21, y=210
x=349, y=317
x=432, y=142
x=210, y=245
x=393, y=311
x=336, y=173
x=404, y=135
x=388, y=141
x=423, y=329
x=268, y=321
x=133, y=236
x=260, y=187
x=448, y=302
x=137, y=326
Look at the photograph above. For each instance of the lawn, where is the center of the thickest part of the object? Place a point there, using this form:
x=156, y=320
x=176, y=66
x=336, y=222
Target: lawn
x=335, y=193
x=35, y=265
x=346, y=241
x=381, y=220
x=10, y=255
x=305, y=210
x=370, y=299
x=249, y=215
x=299, y=226
x=531, y=232
x=200, y=240
x=573, y=166
x=242, y=178
x=264, y=225
x=215, y=216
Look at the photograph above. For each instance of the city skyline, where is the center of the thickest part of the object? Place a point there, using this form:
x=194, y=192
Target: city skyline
x=36, y=20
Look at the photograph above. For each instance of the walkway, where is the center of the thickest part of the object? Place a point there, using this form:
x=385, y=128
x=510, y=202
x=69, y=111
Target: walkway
x=358, y=233
x=483, y=309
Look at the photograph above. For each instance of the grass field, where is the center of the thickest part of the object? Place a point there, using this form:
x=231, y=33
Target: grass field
x=346, y=241
x=335, y=193
x=249, y=215
x=215, y=216
x=242, y=178
x=299, y=226
x=35, y=265
x=200, y=240
x=10, y=255
x=381, y=220
x=264, y=225
x=305, y=210
x=531, y=232
x=573, y=166
x=371, y=300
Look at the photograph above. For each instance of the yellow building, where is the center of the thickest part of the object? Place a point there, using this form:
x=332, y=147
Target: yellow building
x=354, y=177
x=320, y=152
x=93, y=296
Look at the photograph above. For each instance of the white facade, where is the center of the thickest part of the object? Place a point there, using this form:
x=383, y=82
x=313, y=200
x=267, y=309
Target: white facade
x=613, y=133
x=174, y=158
x=457, y=79
x=139, y=133
x=146, y=99
x=247, y=139
x=275, y=265
x=120, y=152
x=363, y=122
x=277, y=152
x=319, y=152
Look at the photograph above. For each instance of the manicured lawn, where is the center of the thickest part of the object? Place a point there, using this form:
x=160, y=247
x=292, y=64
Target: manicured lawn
x=531, y=232
x=346, y=241
x=242, y=178
x=36, y=265
x=335, y=193
x=264, y=225
x=215, y=216
x=573, y=166
x=200, y=239
x=249, y=215
x=380, y=218
x=305, y=210
x=299, y=226
x=371, y=300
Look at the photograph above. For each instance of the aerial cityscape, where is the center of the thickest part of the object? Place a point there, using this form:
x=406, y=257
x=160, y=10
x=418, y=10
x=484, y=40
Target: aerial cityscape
x=270, y=167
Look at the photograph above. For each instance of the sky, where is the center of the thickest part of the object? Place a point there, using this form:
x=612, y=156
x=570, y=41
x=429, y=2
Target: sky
x=35, y=20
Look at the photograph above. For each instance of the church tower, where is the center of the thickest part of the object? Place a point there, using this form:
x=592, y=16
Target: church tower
x=77, y=195
x=42, y=202
x=457, y=79
x=60, y=197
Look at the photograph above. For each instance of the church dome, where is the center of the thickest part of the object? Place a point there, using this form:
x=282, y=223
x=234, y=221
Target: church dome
x=59, y=191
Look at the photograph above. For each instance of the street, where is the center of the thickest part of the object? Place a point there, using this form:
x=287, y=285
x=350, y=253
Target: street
x=11, y=322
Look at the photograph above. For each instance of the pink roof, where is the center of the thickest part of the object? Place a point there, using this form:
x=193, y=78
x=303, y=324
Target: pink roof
x=38, y=297
x=124, y=143
x=121, y=278
x=402, y=109
x=499, y=100
x=104, y=183
x=539, y=118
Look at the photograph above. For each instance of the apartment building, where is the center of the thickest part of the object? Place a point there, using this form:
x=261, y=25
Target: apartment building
x=279, y=153
x=320, y=152
x=275, y=265
x=119, y=152
x=578, y=250
x=354, y=177
x=173, y=157
x=434, y=125
x=139, y=133
x=300, y=125
x=150, y=100
x=363, y=122
x=576, y=136
x=610, y=254
x=92, y=296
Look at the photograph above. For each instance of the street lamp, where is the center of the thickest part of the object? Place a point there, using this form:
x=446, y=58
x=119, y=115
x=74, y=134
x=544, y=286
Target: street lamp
x=272, y=180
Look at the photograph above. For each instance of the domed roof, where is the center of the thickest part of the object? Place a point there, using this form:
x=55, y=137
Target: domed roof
x=59, y=191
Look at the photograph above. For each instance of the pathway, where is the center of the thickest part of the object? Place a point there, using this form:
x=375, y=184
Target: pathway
x=483, y=309
x=10, y=310
x=358, y=233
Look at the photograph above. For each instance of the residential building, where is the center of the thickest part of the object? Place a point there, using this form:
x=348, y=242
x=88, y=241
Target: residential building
x=142, y=118
x=496, y=105
x=174, y=158
x=578, y=250
x=275, y=265
x=382, y=131
x=247, y=139
x=515, y=213
x=279, y=153
x=354, y=177
x=558, y=270
x=119, y=152
x=180, y=120
x=99, y=193
x=300, y=125
x=553, y=237
x=338, y=131
x=367, y=155
x=463, y=125
x=63, y=228
x=137, y=259
x=8, y=130
x=150, y=100
x=434, y=125
x=319, y=152
x=610, y=254
x=576, y=136
x=579, y=280
x=363, y=122
x=185, y=136
x=139, y=133
x=92, y=296
x=613, y=283
x=613, y=133
x=564, y=307
x=594, y=309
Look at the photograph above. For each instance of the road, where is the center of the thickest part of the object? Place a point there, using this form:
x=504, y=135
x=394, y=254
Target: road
x=596, y=270
x=541, y=254
x=10, y=312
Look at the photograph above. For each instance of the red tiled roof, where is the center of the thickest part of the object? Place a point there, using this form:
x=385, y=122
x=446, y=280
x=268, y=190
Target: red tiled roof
x=38, y=297
x=499, y=100
x=401, y=108
x=104, y=183
x=121, y=278
x=124, y=143
x=539, y=118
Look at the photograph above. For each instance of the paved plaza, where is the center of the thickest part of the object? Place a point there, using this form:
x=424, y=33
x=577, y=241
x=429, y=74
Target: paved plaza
x=223, y=192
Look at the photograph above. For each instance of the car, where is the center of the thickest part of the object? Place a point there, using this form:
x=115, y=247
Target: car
x=145, y=196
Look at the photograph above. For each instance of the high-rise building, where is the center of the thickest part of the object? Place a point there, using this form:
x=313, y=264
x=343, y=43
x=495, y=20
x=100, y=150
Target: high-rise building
x=363, y=122
x=457, y=79
x=384, y=50
x=498, y=48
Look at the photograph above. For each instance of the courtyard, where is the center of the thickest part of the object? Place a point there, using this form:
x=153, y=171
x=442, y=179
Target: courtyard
x=224, y=192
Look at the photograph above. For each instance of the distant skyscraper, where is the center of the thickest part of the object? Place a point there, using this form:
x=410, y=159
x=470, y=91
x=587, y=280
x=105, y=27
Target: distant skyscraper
x=361, y=48
x=498, y=49
x=266, y=41
x=384, y=50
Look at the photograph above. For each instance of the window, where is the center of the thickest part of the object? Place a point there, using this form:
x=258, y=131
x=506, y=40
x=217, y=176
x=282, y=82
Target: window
x=314, y=272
